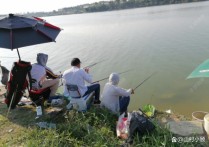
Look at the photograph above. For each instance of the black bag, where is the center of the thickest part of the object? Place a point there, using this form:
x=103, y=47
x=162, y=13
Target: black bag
x=139, y=124
x=17, y=83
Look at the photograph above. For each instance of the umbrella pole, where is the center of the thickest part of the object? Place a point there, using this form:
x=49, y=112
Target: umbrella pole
x=18, y=54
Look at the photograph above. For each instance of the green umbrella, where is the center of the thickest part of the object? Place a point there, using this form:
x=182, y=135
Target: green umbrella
x=202, y=71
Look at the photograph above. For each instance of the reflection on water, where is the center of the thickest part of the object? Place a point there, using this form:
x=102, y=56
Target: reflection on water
x=171, y=40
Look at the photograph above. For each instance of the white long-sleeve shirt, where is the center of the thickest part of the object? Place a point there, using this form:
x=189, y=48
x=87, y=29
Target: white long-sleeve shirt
x=110, y=96
x=76, y=76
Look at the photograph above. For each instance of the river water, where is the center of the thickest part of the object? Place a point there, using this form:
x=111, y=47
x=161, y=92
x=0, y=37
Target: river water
x=170, y=40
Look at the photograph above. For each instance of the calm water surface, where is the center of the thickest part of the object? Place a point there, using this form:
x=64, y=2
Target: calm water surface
x=171, y=40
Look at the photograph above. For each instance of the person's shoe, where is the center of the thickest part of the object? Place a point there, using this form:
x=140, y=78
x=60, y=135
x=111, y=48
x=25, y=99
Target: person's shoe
x=21, y=104
x=54, y=98
x=56, y=102
x=48, y=103
x=97, y=102
x=69, y=106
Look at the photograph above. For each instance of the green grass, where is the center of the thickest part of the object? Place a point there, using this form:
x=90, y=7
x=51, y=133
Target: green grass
x=95, y=128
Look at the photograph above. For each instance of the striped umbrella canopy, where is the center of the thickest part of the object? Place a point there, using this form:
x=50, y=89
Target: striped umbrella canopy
x=19, y=31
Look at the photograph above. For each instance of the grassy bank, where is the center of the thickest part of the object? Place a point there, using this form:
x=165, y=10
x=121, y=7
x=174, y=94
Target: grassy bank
x=94, y=128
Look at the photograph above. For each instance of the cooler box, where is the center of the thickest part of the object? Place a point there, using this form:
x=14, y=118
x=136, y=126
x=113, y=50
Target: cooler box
x=83, y=103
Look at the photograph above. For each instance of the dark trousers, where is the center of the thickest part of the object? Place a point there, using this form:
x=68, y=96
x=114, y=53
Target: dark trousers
x=124, y=102
x=95, y=88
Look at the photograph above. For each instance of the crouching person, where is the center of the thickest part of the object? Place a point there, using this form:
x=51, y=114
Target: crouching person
x=115, y=98
x=43, y=76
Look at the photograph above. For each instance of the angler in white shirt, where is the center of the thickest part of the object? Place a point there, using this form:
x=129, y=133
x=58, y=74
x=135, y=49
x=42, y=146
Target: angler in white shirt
x=115, y=98
x=77, y=76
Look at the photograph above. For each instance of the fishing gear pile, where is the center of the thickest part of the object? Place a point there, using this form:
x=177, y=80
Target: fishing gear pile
x=140, y=124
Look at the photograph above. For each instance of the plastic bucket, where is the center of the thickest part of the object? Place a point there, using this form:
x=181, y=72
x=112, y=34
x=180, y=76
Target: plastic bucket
x=206, y=123
x=199, y=115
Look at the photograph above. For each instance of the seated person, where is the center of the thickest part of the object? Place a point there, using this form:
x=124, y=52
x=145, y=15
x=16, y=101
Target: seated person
x=115, y=98
x=77, y=76
x=43, y=76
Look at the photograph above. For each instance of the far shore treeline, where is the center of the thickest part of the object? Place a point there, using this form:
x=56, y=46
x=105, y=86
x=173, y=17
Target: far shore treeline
x=108, y=6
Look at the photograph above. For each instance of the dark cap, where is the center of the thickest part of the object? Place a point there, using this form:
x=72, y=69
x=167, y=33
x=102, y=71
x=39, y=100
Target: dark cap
x=75, y=62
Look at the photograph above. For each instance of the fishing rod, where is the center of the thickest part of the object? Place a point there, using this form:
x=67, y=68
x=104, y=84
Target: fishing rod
x=61, y=76
x=144, y=81
x=108, y=77
x=89, y=66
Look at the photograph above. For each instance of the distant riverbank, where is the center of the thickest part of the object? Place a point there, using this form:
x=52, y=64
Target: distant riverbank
x=108, y=6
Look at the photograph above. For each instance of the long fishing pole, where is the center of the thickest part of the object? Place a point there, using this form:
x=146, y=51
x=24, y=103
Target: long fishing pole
x=61, y=76
x=89, y=66
x=144, y=81
x=108, y=77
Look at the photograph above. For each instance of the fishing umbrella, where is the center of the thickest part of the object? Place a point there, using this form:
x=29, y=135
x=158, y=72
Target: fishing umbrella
x=19, y=31
x=202, y=71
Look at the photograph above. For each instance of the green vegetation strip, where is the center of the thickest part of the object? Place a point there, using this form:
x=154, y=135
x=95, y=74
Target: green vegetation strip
x=95, y=128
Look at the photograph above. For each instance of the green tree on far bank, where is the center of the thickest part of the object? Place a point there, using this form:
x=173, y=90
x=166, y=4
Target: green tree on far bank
x=110, y=5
